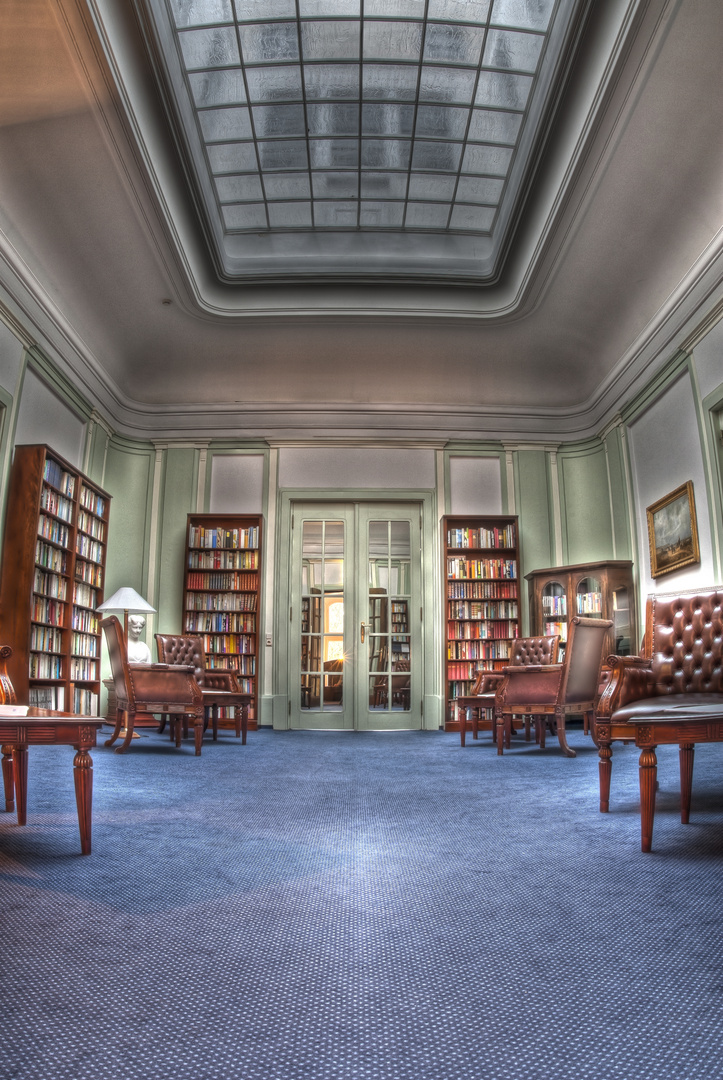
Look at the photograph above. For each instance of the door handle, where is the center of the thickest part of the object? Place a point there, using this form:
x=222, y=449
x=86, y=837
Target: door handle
x=363, y=632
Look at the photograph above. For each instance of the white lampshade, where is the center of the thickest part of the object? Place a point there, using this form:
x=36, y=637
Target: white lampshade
x=127, y=600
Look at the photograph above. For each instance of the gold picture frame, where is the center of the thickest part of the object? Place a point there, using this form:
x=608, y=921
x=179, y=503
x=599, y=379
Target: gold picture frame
x=673, y=531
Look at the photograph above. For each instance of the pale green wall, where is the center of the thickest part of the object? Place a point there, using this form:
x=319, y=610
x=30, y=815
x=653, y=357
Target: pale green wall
x=533, y=507
x=177, y=500
x=585, y=504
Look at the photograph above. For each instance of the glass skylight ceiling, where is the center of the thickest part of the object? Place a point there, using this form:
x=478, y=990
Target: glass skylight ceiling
x=360, y=135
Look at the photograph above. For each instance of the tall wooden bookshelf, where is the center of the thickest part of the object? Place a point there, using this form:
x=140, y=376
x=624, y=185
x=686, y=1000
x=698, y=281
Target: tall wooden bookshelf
x=481, y=576
x=53, y=570
x=221, y=594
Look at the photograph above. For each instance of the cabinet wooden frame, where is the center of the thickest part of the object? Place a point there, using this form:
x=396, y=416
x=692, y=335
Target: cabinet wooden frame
x=233, y=596
x=481, y=576
x=612, y=575
x=52, y=580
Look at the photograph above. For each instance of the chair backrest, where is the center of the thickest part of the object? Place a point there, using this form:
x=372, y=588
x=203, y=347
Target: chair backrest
x=182, y=649
x=583, y=659
x=684, y=639
x=535, y=650
x=7, y=690
x=118, y=658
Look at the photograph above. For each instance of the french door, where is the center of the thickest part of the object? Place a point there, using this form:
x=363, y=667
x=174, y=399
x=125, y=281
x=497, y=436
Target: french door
x=355, y=648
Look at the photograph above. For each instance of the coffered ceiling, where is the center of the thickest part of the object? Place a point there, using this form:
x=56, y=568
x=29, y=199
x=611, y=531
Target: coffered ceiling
x=187, y=299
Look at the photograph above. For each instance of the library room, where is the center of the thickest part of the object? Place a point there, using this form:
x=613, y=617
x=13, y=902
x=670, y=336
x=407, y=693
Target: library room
x=361, y=539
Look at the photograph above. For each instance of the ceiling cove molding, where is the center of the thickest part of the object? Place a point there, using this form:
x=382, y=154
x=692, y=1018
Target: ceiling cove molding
x=453, y=300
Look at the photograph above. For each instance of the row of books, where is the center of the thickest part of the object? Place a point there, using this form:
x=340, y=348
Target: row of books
x=491, y=609
x=481, y=568
x=221, y=623
x=90, y=573
x=554, y=605
x=45, y=584
x=89, y=549
x=84, y=620
x=222, y=538
x=47, y=697
x=53, y=530
x=487, y=628
x=492, y=651
x=244, y=665
x=55, y=503
x=45, y=610
x=223, y=560
x=228, y=643
x=84, y=645
x=91, y=525
x=55, y=474
x=589, y=603
x=473, y=650
x=481, y=590
x=90, y=500
x=552, y=628
x=85, y=702
x=46, y=639
x=227, y=582
x=483, y=538
x=50, y=558
x=83, y=670
x=85, y=595
x=208, y=601
x=45, y=666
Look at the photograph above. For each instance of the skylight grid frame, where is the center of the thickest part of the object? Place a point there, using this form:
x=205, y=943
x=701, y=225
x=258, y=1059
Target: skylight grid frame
x=300, y=60
x=476, y=190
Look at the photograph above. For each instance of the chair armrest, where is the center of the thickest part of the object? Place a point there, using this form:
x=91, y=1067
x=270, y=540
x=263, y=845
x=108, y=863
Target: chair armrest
x=631, y=678
x=185, y=668
x=490, y=682
x=531, y=669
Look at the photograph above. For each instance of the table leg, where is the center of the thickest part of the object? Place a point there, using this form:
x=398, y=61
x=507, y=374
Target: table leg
x=198, y=732
x=20, y=768
x=498, y=727
x=8, y=778
x=605, y=768
x=648, y=773
x=475, y=723
x=244, y=723
x=686, y=752
x=214, y=721
x=83, y=777
x=462, y=718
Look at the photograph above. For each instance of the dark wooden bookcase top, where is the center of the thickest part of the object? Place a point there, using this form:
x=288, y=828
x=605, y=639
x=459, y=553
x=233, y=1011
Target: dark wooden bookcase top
x=481, y=604
x=52, y=581
x=603, y=590
x=222, y=593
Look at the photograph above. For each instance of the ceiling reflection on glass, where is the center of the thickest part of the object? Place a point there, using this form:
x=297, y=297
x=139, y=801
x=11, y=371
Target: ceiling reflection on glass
x=402, y=115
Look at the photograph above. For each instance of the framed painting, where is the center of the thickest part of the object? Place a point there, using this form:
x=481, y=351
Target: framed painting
x=673, y=531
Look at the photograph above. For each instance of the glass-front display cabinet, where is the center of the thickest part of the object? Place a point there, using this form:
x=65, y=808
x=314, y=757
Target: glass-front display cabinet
x=601, y=590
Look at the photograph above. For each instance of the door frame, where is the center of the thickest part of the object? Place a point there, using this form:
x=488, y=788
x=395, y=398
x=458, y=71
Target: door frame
x=425, y=501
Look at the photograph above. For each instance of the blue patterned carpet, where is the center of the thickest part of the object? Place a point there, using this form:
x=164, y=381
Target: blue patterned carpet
x=378, y=906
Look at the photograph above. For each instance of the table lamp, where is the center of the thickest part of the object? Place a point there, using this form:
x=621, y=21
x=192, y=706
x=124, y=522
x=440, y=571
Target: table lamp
x=128, y=601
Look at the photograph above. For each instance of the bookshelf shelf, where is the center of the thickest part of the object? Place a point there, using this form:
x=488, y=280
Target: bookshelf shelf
x=221, y=595
x=52, y=581
x=481, y=600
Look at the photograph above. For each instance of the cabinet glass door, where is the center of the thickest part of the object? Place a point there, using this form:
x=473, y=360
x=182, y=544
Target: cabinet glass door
x=588, y=598
x=554, y=610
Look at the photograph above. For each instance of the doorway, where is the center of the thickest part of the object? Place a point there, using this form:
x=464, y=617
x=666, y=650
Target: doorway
x=355, y=620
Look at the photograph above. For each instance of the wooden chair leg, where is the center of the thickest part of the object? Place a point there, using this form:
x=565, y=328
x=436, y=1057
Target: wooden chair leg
x=8, y=778
x=244, y=723
x=527, y=727
x=198, y=732
x=562, y=736
x=461, y=715
x=648, y=773
x=686, y=752
x=499, y=730
x=605, y=768
x=129, y=722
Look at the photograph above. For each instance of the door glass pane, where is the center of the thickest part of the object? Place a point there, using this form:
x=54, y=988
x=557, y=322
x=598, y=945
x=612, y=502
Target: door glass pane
x=322, y=615
x=554, y=610
x=589, y=598
x=388, y=621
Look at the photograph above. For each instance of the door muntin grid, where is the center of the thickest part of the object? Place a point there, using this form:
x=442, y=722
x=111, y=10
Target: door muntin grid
x=322, y=616
x=389, y=656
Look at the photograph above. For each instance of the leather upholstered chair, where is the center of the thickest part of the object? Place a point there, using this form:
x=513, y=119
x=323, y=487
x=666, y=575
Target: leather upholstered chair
x=219, y=686
x=555, y=690
x=525, y=651
x=154, y=688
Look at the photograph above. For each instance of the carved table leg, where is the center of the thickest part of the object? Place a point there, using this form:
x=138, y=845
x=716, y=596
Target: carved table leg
x=8, y=778
x=648, y=772
x=686, y=752
x=20, y=768
x=83, y=777
x=605, y=768
x=244, y=723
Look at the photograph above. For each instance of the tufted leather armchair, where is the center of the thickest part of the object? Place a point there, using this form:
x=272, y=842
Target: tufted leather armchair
x=155, y=688
x=219, y=687
x=681, y=670
x=525, y=651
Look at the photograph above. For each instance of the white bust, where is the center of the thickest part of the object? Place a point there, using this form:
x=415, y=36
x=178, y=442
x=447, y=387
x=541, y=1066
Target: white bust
x=138, y=651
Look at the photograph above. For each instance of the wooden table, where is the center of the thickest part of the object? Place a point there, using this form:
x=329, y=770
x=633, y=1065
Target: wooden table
x=22, y=726
x=692, y=724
